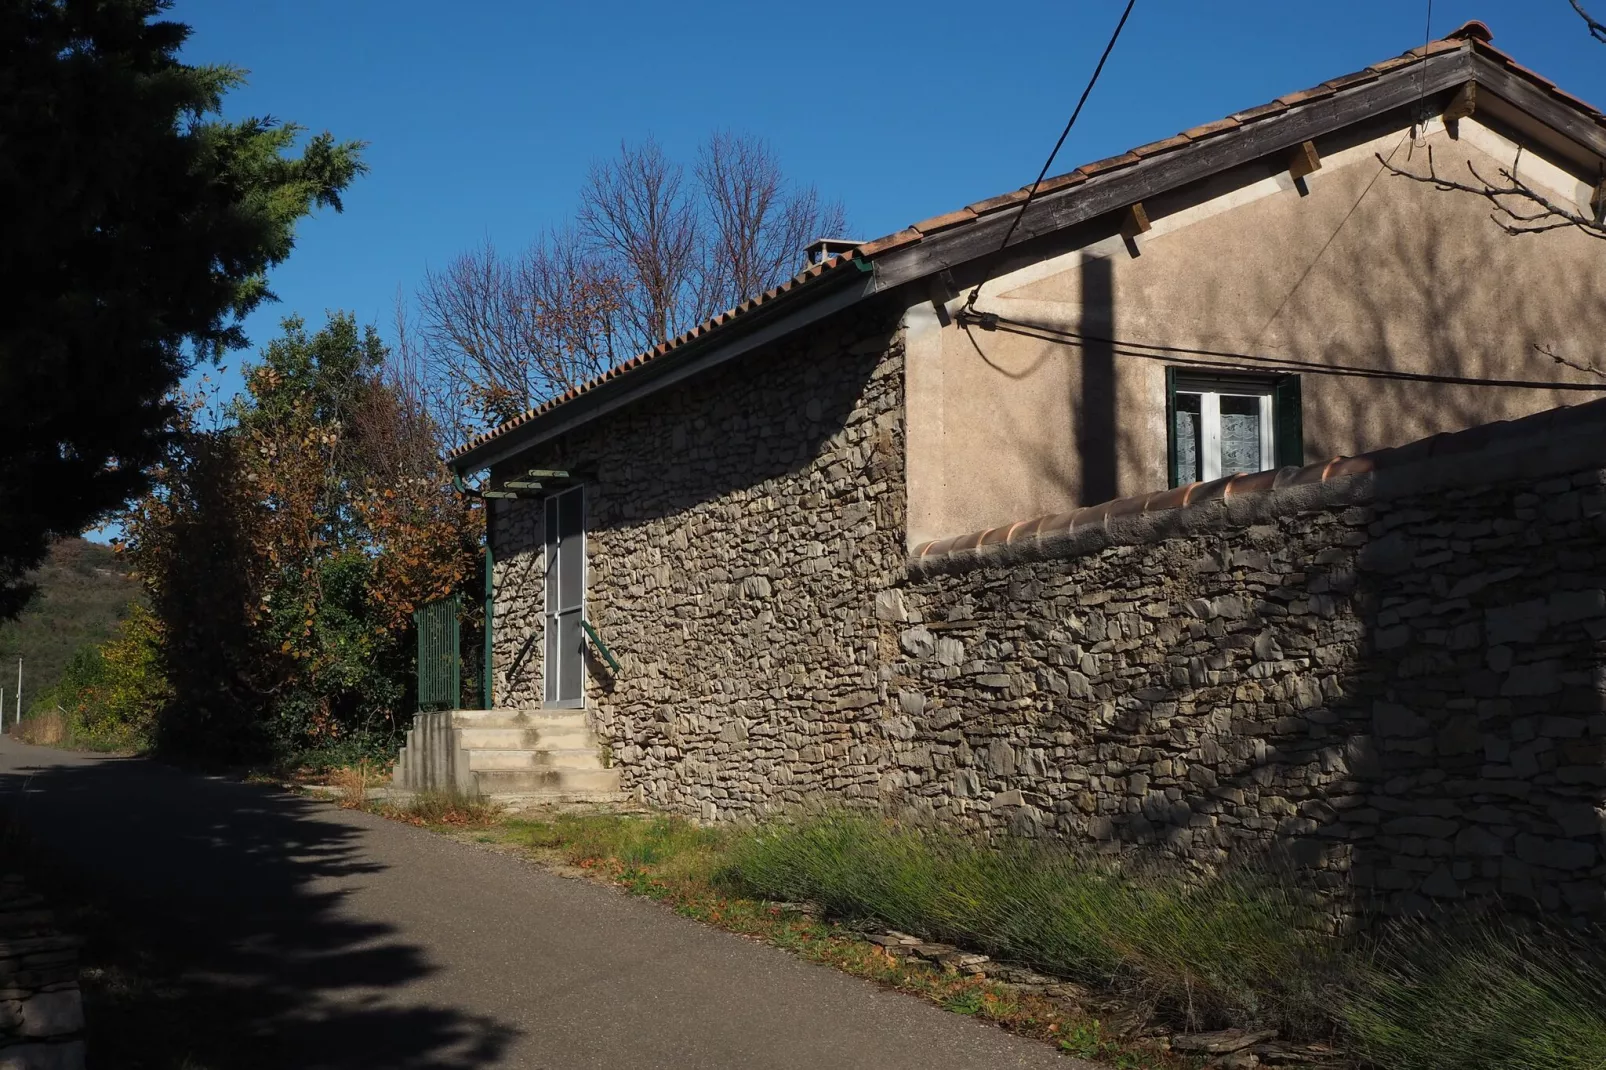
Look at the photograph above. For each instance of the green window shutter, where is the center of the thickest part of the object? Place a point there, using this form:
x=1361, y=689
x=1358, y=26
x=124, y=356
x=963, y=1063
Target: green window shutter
x=1290, y=427
x=1171, y=426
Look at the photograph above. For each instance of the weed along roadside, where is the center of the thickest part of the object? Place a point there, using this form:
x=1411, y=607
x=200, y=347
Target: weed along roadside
x=1120, y=963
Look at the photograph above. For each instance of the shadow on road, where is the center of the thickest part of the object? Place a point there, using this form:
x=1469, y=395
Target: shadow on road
x=215, y=932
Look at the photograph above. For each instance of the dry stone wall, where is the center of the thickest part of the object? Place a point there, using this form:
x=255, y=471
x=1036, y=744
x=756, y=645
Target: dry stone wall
x=739, y=527
x=1406, y=694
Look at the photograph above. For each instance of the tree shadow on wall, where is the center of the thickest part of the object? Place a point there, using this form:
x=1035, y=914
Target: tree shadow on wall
x=213, y=938
x=1416, y=715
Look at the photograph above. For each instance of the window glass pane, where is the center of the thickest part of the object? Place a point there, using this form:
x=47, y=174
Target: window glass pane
x=1240, y=434
x=571, y=645
x=1189, y=443
x=549, y=666
x=571, y=549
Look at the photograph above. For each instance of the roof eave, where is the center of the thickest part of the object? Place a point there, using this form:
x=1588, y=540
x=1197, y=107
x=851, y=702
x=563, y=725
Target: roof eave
x=1127, y=182
x=825, y=296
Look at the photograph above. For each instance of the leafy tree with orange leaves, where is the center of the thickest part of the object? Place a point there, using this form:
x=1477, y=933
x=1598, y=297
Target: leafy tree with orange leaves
x=287, y=547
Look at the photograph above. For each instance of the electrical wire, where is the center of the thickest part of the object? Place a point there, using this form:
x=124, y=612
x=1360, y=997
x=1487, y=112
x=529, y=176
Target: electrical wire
x=1419, y=121
x=970, y=302
x=1217, y=358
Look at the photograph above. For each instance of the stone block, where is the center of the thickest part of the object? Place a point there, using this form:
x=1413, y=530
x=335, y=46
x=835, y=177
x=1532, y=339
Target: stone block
x=1391, y=720
x=1390, y=555
x=52, y=1014
x=1564, y=607
x=1536, y=678
x=917, y=642
x=1462, y=734
x=1522, y=622
x=59, y=1056
x=889, y=606
x=1555, y=854
x=1479, y=842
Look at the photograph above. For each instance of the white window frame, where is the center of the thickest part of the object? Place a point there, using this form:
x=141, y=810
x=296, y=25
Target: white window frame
x=1211, y=389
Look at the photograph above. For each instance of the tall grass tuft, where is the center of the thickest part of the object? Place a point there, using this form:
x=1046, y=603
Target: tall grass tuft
x=673, y=846
x=1488, y=993
x=1238, y=948
x=45, y=728
x=447, y=808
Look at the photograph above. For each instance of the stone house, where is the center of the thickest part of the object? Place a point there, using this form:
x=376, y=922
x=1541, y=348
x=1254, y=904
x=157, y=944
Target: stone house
x=1007, y=563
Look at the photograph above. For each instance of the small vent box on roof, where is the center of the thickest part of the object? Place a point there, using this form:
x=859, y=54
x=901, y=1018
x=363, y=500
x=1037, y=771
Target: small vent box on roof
x=823, y=249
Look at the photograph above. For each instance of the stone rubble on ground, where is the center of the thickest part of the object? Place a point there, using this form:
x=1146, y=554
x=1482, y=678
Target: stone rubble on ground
x=41, y=1009
x=1228, y=1049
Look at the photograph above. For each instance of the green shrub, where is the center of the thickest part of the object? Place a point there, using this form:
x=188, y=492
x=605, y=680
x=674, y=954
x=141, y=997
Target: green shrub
x=111, y=695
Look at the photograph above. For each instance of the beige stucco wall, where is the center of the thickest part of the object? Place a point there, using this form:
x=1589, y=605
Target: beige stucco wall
x=1366, y=269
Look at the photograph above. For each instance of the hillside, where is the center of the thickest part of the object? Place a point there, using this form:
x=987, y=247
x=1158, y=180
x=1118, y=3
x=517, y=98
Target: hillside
x=84, y=590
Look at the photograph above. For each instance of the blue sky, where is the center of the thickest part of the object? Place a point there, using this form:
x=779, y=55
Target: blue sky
x=483, y=116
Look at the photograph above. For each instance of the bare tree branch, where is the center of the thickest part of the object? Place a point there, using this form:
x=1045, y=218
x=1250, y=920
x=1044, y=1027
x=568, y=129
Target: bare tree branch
x=505, y=333
x=1576, y=365
x=650, y=256
x=1596, y=29
x=755, y=226
x=1519, y=208
x=636, y=216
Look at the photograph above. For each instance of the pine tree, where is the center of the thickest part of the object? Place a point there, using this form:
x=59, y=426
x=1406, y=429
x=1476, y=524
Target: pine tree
x=140, y=227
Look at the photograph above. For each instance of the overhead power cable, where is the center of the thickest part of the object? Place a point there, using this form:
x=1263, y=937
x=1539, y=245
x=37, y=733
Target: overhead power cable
x=1219, y=358
x=970, y=302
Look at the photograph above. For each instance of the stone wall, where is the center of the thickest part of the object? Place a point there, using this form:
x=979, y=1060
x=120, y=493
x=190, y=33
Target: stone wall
x=738, y=528
x=1406, y=692
x=41, y=1009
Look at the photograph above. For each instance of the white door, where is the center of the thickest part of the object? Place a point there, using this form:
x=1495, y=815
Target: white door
x=565, y=598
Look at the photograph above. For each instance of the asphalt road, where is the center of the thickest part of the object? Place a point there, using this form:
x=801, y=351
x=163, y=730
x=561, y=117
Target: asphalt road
x=345, y=940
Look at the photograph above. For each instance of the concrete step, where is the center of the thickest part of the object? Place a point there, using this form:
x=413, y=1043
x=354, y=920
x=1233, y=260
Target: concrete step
x=563, y=737
x=549, y=720
x=497, y=783
x=578, y=758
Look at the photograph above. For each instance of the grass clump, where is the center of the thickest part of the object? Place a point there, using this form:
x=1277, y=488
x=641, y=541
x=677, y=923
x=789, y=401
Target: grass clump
x=671, y=848
x=443, y=809
x=1235, y=949
x=1490, y=993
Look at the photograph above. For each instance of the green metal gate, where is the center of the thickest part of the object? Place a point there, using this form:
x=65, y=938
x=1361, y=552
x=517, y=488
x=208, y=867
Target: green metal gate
x=440, y=670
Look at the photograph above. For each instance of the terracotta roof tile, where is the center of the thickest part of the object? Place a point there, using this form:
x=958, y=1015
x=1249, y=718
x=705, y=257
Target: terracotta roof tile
x=1204, y=130
x=890, y=242
x=1058, y=182
x=1155, y=148
x=1348, y=80
x=936, y=224
x=1433, y=48
x=1003, y=200
x=1251, y=114
x=1315, y=92
x=1472, y=30
x=1390, y=64
x=1109, y=163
